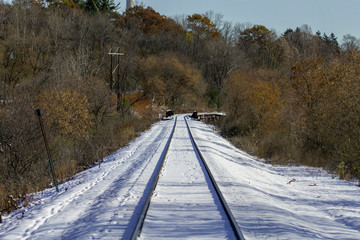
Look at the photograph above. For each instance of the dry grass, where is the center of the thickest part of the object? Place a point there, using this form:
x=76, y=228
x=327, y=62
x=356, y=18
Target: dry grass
x=66, y=169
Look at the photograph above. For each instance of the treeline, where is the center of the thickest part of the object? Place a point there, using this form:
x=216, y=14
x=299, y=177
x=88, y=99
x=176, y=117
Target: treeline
x=59, y=56
x=288, y=98
x=296, y=100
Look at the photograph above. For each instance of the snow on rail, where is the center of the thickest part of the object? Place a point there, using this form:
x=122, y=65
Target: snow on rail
x=228, y=212
x=185, y=200
x=145, y=208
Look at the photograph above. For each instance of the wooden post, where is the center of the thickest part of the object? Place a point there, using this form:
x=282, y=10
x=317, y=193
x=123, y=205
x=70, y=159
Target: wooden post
x=118, y=105
x=117, y=69
x=111, y=72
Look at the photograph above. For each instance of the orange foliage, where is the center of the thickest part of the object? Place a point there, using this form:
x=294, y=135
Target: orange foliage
x=201, y=27
x=142, y=105
x=66, y=112
x=149, y=21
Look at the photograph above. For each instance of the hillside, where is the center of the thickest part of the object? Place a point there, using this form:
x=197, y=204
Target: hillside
x=268, y=202
x=102, y=77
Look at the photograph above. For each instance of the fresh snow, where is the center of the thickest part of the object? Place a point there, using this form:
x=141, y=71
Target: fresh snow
x=267, y=206
x=184, y=202
x=100, y=203
x=268, y=202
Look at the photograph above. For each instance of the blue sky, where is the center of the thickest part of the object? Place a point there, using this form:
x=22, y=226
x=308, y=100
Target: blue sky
x=338, y=16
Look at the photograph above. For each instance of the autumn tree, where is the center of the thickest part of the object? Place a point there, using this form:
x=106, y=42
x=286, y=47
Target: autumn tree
x=148, y=21
x=56, y=58
x=309, y=83
x=200, y=31
x=67, y=112
x=260, y=45
x=169, y=81
x=152, y=32
x=326, y=106
x=225, y=28
x=340, y=114
x=254, y=109
x=201, y=28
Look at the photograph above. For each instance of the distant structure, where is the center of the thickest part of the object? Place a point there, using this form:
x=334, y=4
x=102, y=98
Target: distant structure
x=129, y=4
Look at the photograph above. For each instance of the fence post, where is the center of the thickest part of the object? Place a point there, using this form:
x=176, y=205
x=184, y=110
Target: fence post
x=39, y=113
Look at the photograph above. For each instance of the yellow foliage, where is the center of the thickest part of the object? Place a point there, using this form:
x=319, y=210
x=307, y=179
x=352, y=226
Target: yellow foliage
x=170, y=81
x=264, y=96
x=260, y=96
x=189, y=37
x=327, y=106
x=66, y=112
x=202, y=27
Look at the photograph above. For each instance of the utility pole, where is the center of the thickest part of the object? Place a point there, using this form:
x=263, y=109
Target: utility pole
x=112, y=71
x=118, y=105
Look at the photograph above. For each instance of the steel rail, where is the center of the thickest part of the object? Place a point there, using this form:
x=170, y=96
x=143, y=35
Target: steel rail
x=234, y=224
x=142, y=216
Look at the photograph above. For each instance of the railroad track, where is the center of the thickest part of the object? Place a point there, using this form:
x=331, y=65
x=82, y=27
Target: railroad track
x=234, y=226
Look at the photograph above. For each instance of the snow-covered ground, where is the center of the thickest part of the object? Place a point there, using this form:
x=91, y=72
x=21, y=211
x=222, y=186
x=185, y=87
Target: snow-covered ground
x=184, y=203
x=104, y=203
x=100, y=203
x=266, y=206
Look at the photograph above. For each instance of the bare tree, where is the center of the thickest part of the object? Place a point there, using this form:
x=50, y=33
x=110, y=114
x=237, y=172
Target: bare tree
x=350, y=42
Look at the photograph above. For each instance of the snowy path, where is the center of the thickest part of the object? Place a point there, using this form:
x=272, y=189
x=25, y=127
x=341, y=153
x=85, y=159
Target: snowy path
x=101, y=203
x=104, y=203
x=185, y=202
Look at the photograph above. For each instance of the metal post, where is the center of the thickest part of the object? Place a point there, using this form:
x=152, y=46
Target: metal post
x=39, y=113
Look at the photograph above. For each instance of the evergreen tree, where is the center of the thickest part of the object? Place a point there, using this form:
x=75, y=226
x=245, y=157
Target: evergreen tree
x=94, y=6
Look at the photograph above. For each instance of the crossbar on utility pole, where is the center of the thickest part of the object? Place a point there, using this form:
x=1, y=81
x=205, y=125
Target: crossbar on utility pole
x=121, y=54
x=39, y=113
